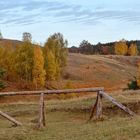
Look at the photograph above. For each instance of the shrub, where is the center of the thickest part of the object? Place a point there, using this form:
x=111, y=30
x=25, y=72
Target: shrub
x=133, y=85
x=2, y=85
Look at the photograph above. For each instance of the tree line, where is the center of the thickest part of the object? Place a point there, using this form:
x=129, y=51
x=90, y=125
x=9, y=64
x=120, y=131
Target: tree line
x=122, y=47
x=32, y=63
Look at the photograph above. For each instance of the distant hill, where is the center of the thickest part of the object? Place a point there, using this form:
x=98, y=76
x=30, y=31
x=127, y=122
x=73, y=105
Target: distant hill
x=10, y=42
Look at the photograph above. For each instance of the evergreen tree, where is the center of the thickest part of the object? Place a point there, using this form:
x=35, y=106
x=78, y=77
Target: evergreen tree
x=1, y=37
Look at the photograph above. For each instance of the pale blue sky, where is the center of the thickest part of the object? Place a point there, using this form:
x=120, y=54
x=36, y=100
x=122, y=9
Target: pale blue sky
x=93, y=20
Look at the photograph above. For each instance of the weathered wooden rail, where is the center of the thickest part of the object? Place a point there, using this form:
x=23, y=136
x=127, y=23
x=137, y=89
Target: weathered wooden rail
x=96, y=108
x=66, y=91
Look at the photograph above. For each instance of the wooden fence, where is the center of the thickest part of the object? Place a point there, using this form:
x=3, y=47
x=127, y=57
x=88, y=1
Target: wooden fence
x=96, y=108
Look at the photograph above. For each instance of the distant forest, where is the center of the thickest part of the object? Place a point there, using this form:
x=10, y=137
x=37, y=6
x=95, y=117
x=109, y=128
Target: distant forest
x=122, y=47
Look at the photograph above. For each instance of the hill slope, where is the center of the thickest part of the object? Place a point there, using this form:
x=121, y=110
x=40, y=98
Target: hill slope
x=111, y=72
x=9, y=42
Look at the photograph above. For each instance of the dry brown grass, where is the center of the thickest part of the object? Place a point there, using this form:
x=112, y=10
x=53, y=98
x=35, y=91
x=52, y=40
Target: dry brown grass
x=97, y=70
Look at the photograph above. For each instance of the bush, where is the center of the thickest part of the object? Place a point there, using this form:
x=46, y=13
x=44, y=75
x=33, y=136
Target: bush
x=133, y=85
x=2, y=85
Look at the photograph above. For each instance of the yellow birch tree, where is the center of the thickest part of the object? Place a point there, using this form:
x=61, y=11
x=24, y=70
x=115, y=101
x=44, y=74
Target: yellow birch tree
x=38, y=68
x=133, y=51
x=121, y=48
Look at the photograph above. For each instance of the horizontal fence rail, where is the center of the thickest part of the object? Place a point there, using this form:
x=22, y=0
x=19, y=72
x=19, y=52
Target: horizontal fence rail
x=66, y=91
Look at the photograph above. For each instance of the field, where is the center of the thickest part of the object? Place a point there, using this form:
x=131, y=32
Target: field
x=111, y=72
x=67, y=120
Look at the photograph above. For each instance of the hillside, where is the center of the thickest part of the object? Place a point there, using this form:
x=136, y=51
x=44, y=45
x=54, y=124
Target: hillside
x=9, y=42
x=111, y=72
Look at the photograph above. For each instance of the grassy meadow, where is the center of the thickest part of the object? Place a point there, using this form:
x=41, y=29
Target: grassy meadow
x=67, y=120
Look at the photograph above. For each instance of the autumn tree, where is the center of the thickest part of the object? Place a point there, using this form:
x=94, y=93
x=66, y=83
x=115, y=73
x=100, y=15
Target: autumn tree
x=121, y=48
x=7, y=60
x=51, y=67
x=105, y=50
x=38, y=72
x=24, y=61
x=56, y=49
x=30, y=63
x=133, y=51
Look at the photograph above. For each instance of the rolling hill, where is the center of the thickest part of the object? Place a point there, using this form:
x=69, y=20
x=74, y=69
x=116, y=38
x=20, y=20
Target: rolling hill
x=111, y=72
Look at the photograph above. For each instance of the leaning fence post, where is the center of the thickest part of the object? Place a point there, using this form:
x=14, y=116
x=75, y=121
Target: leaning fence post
x=11, y=119
x=41, y=121
x=121, y=106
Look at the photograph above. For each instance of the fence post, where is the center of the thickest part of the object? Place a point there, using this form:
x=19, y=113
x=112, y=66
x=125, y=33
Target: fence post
x=41, y=121
x=97, y=107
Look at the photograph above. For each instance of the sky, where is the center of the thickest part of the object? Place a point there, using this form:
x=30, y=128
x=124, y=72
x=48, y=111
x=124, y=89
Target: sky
x=92, y=20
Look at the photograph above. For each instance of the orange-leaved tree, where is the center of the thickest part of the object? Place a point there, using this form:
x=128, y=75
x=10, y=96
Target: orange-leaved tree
x=133, y=51
x=7, y=60
x=38, y=72
x=121, y=48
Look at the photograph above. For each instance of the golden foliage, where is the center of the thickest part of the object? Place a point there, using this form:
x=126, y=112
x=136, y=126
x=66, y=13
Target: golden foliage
x=55, y=54
x=38, y=68
x=7, y=60
x=24, y=61
x=51, y=70
x=121, y=48
x=133, y=51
